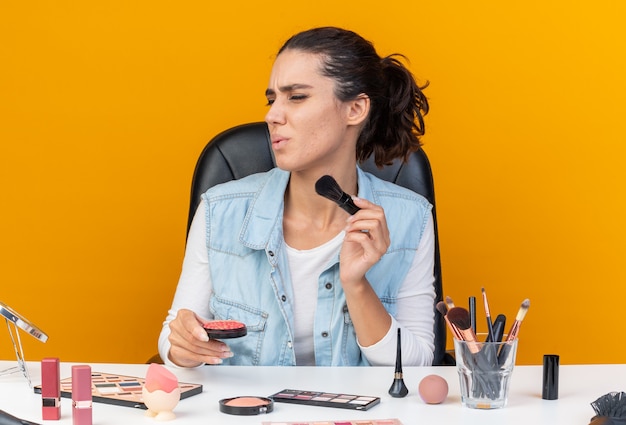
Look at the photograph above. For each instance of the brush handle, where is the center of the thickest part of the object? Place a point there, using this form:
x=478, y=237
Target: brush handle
x=514, y=330
x=472, y=312
x=504, y=354
x=347, y=204
x=498, y=329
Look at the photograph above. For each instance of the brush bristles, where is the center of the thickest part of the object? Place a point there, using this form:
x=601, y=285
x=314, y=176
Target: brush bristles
x=328, y=187
x=449, y=302
x=442, y=308
x=523, y=310
x=485, y=302
x=460, y=318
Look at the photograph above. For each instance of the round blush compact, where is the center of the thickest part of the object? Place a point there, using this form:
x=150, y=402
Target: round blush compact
x=222, y=329
x=246, y=405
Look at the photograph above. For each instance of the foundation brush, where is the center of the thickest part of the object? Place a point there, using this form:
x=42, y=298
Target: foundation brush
x=328, y=187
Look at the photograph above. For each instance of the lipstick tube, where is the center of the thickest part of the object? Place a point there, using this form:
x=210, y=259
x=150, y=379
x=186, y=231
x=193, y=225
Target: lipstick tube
x=50, y=389
x=81, y=395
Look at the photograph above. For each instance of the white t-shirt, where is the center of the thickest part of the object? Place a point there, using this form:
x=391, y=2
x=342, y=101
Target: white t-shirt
x=305, y=267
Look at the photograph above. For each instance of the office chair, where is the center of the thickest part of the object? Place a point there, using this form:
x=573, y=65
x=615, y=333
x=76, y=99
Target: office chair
x=246, y=149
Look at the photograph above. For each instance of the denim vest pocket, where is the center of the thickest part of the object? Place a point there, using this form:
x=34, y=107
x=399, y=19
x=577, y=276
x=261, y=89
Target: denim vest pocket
x=247, y=349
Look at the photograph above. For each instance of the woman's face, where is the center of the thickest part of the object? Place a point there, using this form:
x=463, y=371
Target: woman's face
x=309, y=126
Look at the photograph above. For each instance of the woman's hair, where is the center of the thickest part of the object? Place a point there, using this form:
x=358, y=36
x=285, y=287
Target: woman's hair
x=398, y=106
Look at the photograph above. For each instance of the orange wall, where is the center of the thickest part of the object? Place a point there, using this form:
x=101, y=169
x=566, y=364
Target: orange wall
x=104, y=107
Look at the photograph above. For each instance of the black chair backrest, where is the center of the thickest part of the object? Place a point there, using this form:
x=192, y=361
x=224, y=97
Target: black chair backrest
x=246, y=149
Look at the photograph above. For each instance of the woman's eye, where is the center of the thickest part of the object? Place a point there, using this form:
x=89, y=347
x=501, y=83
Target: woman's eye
x=297, y=97
x=270, y=102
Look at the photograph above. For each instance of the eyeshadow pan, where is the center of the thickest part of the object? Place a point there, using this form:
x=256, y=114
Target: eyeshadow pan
x=359, y=401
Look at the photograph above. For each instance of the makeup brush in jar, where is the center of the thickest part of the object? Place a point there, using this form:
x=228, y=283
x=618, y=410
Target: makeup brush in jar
x=513, y=333
x=487, y=313
x=443, y=310
x=459, y=317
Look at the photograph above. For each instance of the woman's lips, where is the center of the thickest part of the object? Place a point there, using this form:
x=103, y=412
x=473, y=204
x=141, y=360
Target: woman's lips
x=278, y=141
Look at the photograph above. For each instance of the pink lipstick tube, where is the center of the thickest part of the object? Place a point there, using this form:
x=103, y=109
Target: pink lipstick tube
x=81, y=395
x=50, y=389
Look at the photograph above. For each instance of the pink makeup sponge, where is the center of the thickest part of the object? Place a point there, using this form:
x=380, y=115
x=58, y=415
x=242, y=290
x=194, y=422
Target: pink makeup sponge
x=159, y=378
x=433, y=389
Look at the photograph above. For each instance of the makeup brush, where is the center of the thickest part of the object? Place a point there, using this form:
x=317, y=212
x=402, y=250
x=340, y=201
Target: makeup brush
x=443, y=309
x=460, y=318
x=506, y=348
x=328, y=187
x=521, y=313
x=449, y=303
x=398, y=389
x=489, y=323
x=473, y=355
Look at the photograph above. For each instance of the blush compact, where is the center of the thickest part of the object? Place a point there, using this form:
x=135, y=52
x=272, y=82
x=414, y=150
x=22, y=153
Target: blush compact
x=246, y=405
x=223, y=329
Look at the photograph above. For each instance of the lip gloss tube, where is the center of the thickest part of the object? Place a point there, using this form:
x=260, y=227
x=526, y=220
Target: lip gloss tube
x=81, y=395
x=50, y=389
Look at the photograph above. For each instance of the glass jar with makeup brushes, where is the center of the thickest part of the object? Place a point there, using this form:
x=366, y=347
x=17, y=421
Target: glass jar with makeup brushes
x=485, y=370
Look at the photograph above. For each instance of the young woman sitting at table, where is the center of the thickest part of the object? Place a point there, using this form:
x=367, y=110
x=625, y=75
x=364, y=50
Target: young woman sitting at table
x=313, y=284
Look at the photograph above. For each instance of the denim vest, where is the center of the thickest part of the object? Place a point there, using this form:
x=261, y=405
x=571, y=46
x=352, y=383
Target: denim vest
x=250, y=273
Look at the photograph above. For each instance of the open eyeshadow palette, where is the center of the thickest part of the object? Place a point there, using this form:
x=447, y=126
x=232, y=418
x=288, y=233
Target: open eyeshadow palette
x=315, y=398
x=342, y=422
x=120, y=390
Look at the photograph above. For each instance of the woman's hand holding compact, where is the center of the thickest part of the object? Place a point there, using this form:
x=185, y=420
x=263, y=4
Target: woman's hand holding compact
x=190, y=343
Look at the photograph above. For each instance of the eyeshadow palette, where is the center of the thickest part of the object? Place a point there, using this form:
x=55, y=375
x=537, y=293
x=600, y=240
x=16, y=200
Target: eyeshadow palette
x=120, y=390
x=316, y=398
x=342, y=422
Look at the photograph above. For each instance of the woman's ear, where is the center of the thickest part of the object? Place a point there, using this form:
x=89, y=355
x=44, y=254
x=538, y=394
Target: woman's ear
x=359, y=109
